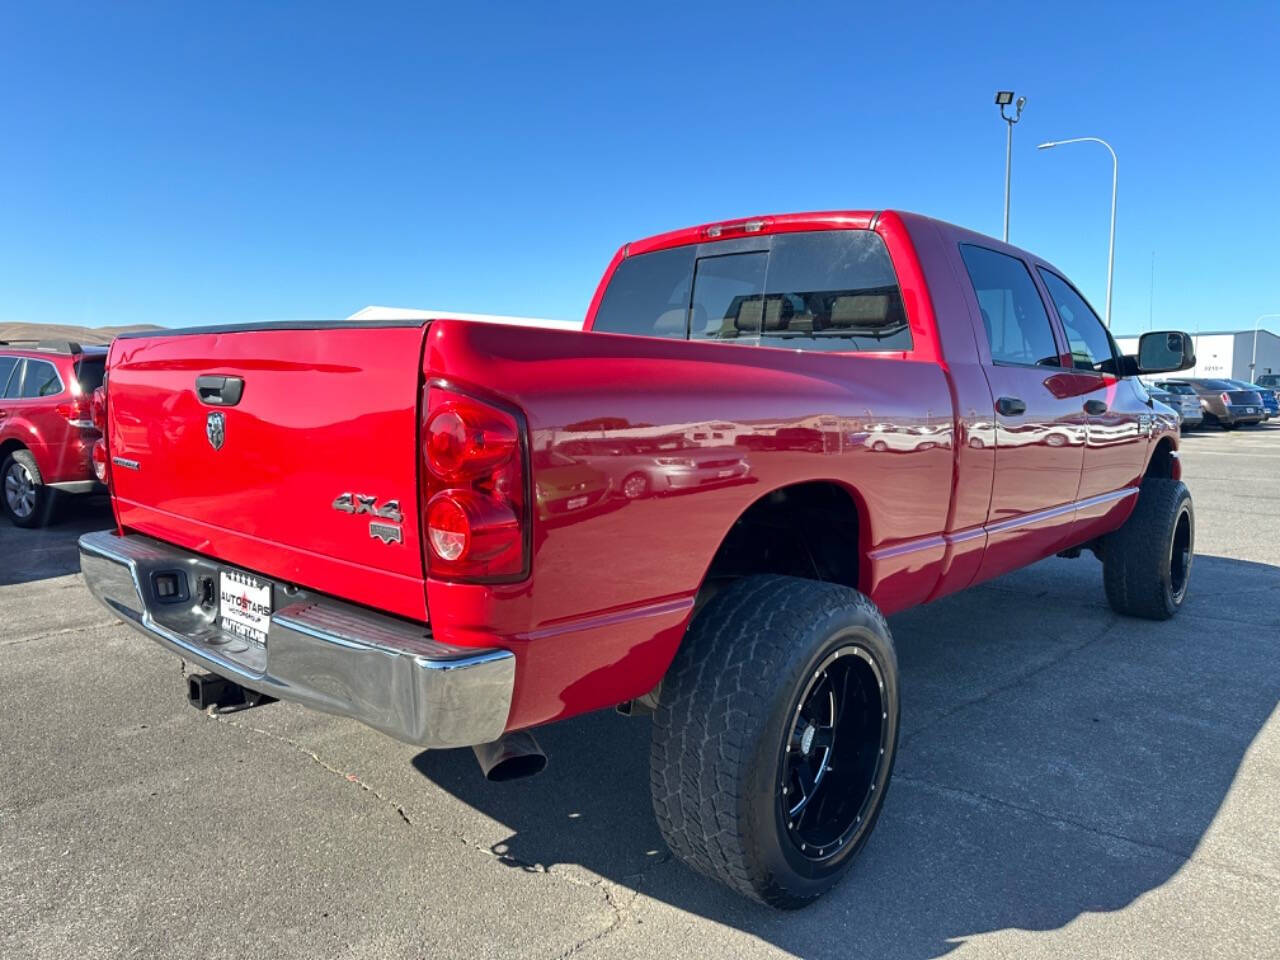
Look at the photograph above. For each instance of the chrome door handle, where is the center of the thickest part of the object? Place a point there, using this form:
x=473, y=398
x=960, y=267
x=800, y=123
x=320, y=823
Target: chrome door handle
x=1095, y=408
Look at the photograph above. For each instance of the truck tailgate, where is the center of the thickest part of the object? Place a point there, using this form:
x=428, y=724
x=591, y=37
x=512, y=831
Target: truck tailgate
x=260, y=483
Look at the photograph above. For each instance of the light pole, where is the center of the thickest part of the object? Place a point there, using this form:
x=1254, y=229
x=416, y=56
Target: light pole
x=1003, y=99
x=1115, y=167
x=1253, y=364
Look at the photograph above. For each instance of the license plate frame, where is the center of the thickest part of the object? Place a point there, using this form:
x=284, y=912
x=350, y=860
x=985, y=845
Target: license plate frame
x=244, y=606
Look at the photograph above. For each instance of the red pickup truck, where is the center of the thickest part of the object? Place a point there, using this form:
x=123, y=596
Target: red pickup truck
x=770, y=434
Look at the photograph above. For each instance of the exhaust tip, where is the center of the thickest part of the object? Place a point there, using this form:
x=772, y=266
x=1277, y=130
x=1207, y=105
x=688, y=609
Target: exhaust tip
x=515, y=768
x=512, y=757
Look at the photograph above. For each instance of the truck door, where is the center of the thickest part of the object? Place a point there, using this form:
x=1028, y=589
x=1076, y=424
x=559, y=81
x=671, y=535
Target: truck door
x=1038, y=432
x=1117, y=418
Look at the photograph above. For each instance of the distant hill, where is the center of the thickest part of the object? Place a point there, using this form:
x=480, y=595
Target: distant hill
x=65, y=331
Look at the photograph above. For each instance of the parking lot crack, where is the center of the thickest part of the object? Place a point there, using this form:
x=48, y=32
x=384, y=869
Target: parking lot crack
x=621, y=909
x=50, y=634
x=498, y=852
x=316, y=759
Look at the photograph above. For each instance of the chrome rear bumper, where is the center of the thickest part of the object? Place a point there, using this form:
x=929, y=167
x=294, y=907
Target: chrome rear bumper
x=323, y=653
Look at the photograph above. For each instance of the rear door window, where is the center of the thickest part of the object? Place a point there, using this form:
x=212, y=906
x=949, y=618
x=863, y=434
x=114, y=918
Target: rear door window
x=833, y=290
x=648, y=295
x=728, y=297
x=1013, y=314
x=41, y=380
x=7, y=366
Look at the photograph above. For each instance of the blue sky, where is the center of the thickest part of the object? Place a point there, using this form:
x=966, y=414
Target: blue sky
x=228, y=162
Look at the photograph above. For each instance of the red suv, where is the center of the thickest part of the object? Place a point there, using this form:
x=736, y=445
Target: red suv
x=46, y=427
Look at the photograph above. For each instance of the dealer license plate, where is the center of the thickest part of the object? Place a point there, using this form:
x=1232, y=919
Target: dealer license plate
x=244, y=606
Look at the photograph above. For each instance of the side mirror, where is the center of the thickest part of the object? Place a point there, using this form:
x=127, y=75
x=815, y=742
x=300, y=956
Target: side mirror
x=1165, y=351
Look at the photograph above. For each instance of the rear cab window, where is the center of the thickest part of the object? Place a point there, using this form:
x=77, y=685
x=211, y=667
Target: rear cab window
x=817, y=290
x=833, y=290
x=648, y=295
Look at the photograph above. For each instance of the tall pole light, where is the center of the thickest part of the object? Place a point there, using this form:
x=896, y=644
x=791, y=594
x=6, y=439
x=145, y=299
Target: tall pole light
x=1115, y=167
x=1003, y=99
x=1253, y=364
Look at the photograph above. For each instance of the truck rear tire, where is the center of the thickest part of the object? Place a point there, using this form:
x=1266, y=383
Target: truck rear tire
x=775, y=736
x=1146, y=564
x=26, y=500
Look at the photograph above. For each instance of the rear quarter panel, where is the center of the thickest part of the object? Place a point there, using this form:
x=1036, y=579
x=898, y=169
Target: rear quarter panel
x=613, y=586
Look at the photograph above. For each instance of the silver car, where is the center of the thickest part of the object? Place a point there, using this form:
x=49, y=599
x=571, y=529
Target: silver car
x=1182, y=397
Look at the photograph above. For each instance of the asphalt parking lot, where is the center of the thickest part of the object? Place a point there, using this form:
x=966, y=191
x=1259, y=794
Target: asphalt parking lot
x=1070, y=784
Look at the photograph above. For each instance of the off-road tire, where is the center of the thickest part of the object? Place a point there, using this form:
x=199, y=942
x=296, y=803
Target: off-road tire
x=42, y=509
x=725, y=717
x=1146, y=564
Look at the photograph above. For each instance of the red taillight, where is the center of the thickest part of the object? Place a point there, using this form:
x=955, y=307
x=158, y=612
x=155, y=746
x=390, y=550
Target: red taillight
x=463, y=438
x=98, y=408
x=475, y=496
x=100, y=460
x=98, y=417
x=1226, y=399
x=76, y=411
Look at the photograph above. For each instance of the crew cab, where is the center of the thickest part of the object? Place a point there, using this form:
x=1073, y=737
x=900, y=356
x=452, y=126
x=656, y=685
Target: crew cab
x=46, y=431
x=434, y=525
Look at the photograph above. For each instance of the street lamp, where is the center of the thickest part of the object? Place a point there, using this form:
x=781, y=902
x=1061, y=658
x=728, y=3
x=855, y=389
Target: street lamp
x=1111, y=246
x=1003, y=99
x=1253, y=364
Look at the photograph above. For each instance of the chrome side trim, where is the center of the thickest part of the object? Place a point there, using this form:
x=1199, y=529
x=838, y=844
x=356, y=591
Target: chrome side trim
x=933, y=541
x=388, y=673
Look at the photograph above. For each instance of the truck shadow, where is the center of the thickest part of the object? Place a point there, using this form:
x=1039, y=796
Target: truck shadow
x=1057, y=760
x=51, y=551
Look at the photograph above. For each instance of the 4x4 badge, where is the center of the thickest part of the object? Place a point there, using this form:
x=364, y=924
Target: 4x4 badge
x=215, y=428
x=363, y=503
x=356, y=503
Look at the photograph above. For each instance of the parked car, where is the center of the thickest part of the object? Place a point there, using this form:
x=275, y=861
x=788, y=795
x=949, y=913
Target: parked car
x=1270, y=405
x=46, y=430
x=566, y=486
x=1226, y=404
x=651, y=466
x=344, y=516
x=1182, y=397
x=1269, y=380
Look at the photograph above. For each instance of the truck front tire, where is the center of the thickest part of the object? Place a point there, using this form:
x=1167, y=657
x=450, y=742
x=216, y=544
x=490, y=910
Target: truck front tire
x=775, y=736
x=1146, y=564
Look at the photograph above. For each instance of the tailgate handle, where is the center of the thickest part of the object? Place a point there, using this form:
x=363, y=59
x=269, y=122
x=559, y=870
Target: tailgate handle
x=219, y=391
